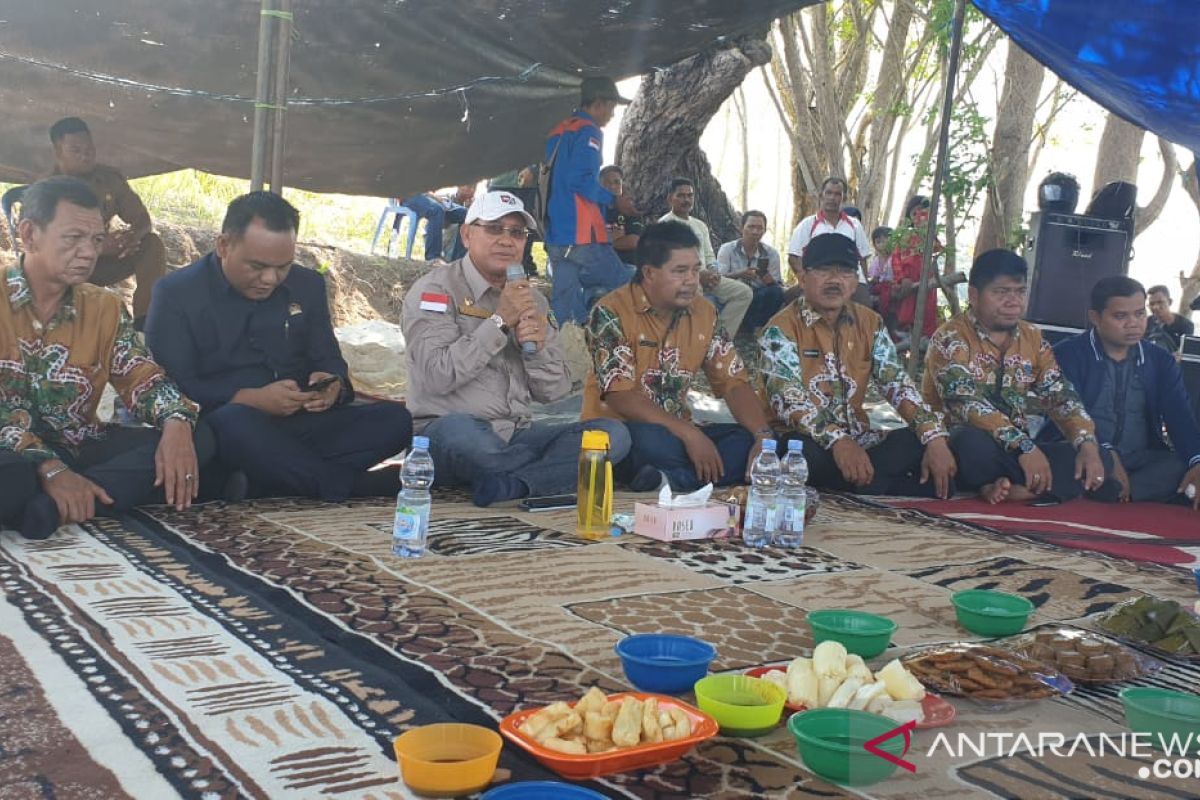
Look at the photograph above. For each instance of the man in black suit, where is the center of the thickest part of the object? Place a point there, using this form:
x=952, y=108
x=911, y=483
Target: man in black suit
x=246, y=333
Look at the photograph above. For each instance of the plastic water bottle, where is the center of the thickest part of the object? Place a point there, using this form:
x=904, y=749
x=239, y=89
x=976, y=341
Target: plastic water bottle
x=762, y=504
x=411, y=526
x=793, y=498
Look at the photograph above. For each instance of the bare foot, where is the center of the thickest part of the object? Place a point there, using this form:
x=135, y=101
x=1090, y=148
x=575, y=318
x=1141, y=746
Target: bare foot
x=996, y=492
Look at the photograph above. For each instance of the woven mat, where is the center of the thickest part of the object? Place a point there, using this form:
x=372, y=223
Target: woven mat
x=274, y=649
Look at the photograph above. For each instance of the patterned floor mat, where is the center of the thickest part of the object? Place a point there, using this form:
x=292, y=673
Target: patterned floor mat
x=274, y=649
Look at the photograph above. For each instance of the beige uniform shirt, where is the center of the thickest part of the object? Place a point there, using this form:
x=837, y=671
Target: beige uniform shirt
x=459, y=362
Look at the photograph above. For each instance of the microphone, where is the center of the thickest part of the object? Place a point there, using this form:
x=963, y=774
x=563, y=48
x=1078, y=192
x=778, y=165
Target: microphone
x=516, y=272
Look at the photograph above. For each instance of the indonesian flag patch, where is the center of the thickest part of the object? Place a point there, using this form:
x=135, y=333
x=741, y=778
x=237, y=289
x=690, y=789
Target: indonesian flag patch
x=435, y=302
x=593, y=143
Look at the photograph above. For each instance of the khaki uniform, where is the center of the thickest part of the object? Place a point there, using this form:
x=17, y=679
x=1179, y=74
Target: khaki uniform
x=148, y=262
x=459, y=362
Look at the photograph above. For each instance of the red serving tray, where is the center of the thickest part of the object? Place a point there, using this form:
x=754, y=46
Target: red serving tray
x=938, y=711
x=595, y=765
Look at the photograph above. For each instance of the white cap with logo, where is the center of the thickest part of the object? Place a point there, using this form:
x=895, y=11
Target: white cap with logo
x=491, y=206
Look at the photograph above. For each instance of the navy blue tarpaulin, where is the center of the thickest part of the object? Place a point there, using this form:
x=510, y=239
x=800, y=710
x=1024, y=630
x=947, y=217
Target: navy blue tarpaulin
x=1140, y=59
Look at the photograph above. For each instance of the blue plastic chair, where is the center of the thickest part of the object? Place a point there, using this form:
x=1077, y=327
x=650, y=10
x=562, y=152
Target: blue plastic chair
x=394, y=207
x=7, y=202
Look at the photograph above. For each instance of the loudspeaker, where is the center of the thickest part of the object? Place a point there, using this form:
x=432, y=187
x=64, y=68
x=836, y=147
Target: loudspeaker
x=1189, y=364
x=1067, y=254
x=1053, y=334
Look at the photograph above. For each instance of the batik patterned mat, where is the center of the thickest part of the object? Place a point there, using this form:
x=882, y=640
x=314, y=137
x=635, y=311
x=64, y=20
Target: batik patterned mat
x=272, y=650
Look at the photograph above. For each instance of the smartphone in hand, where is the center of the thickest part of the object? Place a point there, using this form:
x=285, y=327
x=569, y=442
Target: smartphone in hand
x=321, y=384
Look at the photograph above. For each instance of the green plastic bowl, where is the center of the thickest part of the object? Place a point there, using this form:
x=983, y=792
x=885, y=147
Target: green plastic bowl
x=831, y=743
x=989, y=613
x=860, y=633
x=1162, y=713
x=741, y=705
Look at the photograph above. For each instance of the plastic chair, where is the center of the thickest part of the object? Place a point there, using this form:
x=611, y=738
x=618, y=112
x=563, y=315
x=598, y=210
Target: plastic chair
x=394, y=207
x=7, y=202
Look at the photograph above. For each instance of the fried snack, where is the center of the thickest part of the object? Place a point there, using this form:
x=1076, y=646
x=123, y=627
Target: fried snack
x=571, y=746
x=985, y=672
x=1083, y=656
x=683, y=724
x=597, y=727
x=594, y=700
x=627, y=729
x=651, y=729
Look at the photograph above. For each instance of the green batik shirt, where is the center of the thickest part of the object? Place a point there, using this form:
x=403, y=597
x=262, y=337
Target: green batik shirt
x=52, y=376
x=978, y=384
x=815, y=376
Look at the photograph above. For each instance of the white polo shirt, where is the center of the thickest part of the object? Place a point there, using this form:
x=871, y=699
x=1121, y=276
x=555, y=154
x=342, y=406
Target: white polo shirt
x=816, y=225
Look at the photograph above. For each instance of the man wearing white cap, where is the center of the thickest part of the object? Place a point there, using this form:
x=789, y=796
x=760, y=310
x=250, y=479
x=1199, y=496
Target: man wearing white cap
x=481, y=349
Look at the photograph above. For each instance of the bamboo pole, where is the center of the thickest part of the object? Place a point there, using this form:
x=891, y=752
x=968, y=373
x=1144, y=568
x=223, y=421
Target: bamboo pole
x=283, y=56
x=258, y=147
x=956, y=34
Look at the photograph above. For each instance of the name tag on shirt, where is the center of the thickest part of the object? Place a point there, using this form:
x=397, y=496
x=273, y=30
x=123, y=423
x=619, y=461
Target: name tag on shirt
x=467, y=309
x=435, y=302
x=812, y=354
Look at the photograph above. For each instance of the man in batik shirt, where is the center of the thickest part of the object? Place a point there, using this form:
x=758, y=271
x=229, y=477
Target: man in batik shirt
x=981, y=368
x=61, y=341
x=819, y=356
x=648, y=340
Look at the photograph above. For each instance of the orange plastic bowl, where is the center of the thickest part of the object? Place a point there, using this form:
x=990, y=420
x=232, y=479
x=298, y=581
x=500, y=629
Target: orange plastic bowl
x=595, y=765
x=448, y=759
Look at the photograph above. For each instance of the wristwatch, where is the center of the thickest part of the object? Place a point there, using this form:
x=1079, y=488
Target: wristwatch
x=1026, y=446
x=499, y=320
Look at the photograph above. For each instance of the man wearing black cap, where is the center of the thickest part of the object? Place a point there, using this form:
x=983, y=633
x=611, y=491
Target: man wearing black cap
x=577, y=242
x=981, y=368
x=819, y=355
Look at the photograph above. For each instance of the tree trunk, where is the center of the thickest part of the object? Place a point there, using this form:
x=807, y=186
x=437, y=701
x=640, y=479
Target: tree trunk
x=1190, y=284
x=1120, y=148
x=1009, y=158
x=660, y=132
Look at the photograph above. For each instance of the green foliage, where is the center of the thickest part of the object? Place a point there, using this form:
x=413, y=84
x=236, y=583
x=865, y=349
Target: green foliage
x=198, y=199
x=968, y=168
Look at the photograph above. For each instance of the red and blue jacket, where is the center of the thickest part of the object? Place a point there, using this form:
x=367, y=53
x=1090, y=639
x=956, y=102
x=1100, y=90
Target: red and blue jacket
x=577, y=202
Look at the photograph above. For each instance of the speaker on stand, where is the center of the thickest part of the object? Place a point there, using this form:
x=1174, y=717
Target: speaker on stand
x=1189, y=364
x=1067, y=255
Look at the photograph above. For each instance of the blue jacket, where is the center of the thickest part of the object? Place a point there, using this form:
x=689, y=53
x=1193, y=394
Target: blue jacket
x=577, y=202
x=1167, y=403
x=212, y=341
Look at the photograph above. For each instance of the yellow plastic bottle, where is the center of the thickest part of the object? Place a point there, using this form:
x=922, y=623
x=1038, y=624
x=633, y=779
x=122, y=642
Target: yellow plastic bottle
x=595, y=488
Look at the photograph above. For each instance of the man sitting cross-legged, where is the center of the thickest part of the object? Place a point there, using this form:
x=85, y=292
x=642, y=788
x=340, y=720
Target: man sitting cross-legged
x=981, y=368
x=819, y=356
x=648, y=340
x=61, y=341
x=1133, y=390
x=481, y=351
x=246, y=332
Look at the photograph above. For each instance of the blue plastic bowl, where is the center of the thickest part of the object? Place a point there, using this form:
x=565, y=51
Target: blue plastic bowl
x=541, y=790
x=664, y=662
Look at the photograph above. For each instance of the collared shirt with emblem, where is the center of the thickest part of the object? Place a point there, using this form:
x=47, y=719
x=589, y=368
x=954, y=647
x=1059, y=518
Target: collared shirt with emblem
x=52, y=375
x=816, y=374
x=636, y=346
x=979, y=384
x=117, y=197
x=460, y=362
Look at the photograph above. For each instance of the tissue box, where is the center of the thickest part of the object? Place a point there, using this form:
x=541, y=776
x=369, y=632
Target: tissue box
x=713, y=520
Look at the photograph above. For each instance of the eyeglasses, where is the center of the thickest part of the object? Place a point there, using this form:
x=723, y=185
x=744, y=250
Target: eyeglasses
x=496, y=229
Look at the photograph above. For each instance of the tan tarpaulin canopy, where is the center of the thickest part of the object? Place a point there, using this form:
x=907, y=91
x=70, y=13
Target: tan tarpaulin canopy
x=386, y=96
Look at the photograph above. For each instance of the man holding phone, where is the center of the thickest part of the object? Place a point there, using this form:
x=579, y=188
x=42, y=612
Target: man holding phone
x=246, y=333
x=755, y=263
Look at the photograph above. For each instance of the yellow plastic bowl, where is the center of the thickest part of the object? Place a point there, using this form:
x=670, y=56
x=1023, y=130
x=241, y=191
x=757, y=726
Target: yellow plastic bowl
x=448, y=759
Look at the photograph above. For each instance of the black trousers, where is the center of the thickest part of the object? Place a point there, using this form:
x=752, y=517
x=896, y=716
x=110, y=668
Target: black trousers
x=122, y=463
x=309, y=455
x=981, y=460
x=897, y=463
